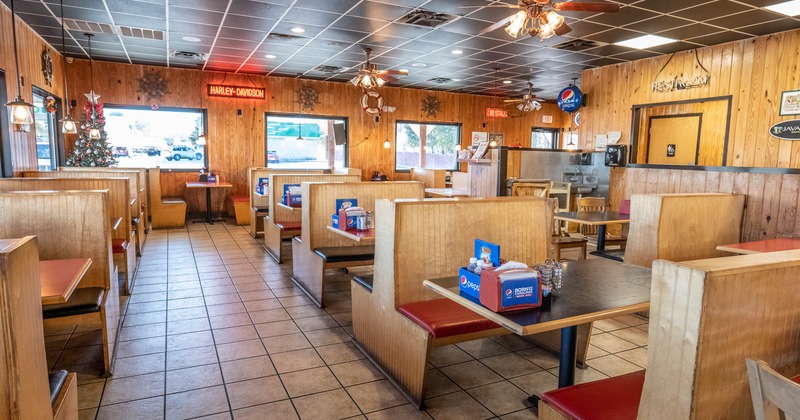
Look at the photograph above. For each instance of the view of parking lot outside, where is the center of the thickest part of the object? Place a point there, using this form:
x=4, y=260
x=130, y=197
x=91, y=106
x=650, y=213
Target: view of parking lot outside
x=316, y=150
x=145, y=138
x=430, y=146
x=44, y=123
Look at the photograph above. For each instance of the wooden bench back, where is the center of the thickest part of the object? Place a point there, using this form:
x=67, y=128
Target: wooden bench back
x=707, y=317
x=143, y=193
x=432, y=178
x=278, y=214
x=319, y=201
x=116, y=199
x=133, y=181
x=425, y=239
x=67, y=224
x=261, y=172
x=460, y=180
x=346, y=171
x=681, y=227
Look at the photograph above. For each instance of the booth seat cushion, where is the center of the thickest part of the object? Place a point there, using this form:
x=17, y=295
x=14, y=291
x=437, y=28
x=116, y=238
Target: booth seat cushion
x=118, y=245
x=335, y=254
x=238, y=198
x=365, y=281
x=445, y=318
x=172, y=200
x=56, y=379
x=614, y=398
x=288, y=225
x=82, y=301
x=796, y=379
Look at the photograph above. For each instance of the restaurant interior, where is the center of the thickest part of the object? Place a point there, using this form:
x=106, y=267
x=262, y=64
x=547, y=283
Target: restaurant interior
x=407, y=209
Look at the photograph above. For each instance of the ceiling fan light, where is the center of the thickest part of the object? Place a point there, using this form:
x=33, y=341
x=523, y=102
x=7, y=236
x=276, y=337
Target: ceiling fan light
x=546, y=31
x=517, y=22
x=366, y=81
x=356, y=80
x=554, y=19
x=379, y=81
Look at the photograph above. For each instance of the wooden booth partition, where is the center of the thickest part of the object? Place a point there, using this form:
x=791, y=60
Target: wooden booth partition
x=117, y=205
x=70, y=224
x=681, y=227
x=346, y=171
x=319, y=201
x=432, y=178
x=425, y=239
x=259, y=203
x=283, y=222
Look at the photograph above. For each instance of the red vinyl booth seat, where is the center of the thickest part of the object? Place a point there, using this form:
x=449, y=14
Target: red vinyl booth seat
x=614, y=398
x=118, y=245
x=289, y=225
x=445, y=318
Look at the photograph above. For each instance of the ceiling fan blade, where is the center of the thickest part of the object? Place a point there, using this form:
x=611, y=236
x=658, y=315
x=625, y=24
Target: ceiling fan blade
x=513, y=101
x=505, y=6
x=400, y=72
x=599, y=7
x=563, y=29
x=386, y=78
x=497, y=25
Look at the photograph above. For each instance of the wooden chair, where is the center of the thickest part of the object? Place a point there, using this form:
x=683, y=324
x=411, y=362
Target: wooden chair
x=590, y=232
x=774, y=396
x=167, y=212
x=534, y=189
x=561, y=241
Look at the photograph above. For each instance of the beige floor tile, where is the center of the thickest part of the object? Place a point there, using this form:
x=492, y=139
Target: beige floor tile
x=536, y=383
x=449, y=355
x=588, y=374
x=405, y=412
x=436, y=383
x=80, y=356
x=193, y=378
x=305, y=311
x=482, y=348
x=244, y=369
x=251, y=287
x=470, y=374
x=255, y=392
x=501, y=397
x=595, y=352
x=356, y=372
x=185, y=293
x=269, y=315
x=189, y=340
x=133, y=320
x=234, y=334
x=526, y=414
x=631, y=320
x=611, y=343
x=510, y=365
x=309, y=381
x=140, y=365
x=296, y=360
x=262, y=305
x=298, y=300
x=456, y=406
x=150, y=408
x=222, y=299
x=612, y=365
x=226, y=309
x=513, y=342
x=228, y=321
x=632, y=334
x=334, y=404
x=284, y=343
x=283, y=410
x=609, y=325
x=142, y=331
x=195, y=403
x=187, y=313
x=89, y=395
x=316, y=323
x=191, y=357
x=328, y=336
x=88, y=414
x=84, y=339
x=339, y=353
x=343, y=318
x=240, y=350
x=141, y=347
x=133, y=388
x=271, y=329
x=541, y=357
x=256, y=294
x=187, y=326
x=377, y=395
x=636, y=356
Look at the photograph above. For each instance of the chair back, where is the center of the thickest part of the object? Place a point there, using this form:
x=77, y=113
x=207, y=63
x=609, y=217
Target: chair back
x=774, y=396
x=591, y=204
x=533, y=189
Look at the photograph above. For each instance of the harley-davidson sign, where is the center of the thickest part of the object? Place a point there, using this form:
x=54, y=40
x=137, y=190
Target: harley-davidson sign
x=786, y=130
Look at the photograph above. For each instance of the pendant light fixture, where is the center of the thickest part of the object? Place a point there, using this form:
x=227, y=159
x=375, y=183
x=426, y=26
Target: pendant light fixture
x=386, y=143
x=21, y=111
x=299, y=126
x=94, y=131
x=68, y=125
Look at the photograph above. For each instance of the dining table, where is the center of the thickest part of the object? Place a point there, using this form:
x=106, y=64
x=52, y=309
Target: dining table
x=447, y=192
x=59, y=278
x=354, y=234
x=592, y=290
x=766, y=245
x=208, y=187
x=601, y=219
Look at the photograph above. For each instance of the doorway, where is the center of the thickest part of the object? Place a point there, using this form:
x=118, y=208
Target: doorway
x=674, y=139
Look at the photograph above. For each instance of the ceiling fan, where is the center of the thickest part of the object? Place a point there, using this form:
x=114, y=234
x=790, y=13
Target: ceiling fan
x=369, y=77
x=528, y=102
x=539, y=17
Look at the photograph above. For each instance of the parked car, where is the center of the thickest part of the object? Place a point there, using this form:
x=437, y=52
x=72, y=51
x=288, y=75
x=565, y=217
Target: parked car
x=152, y=151
x=184, y=152
x=121, y=151
x=272, y=156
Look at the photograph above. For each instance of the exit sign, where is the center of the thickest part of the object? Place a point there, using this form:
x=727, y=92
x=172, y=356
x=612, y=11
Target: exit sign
x=246, y=92
x=496, y=113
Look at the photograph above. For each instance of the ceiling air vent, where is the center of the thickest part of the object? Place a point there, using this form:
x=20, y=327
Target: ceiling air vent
x=440, y=80
x=578, y=45
x=427, y=18
x=189, y=55
x=90, y=27
x=141, y=33
x=328, y=69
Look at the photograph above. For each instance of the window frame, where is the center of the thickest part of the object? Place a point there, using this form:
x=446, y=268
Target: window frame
x=6, y=169
x=423, y=142
x=107, y=107
x=556, y=132
x=312, y=117
x=56, y=137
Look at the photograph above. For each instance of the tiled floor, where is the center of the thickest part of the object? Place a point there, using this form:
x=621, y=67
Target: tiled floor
x=216, y=329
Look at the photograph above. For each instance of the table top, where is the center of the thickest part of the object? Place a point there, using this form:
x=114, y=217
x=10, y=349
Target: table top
x=354, y=234
x=290, y=208
x=220, y=184
x=767, y=245
x=593, y=217
x=448, y=192
x=58, y=278
x=592, y=290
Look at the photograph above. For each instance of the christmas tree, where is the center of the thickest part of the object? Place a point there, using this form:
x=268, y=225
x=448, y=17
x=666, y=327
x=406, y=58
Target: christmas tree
x=89, y=151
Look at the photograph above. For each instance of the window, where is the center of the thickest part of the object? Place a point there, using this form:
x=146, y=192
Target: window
x=306, y=142
x=45, y=126
x=431, y=146
x=544, y=138
x=144, y=138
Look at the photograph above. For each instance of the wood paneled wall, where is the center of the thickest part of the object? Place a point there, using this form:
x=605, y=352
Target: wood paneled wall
x=754, y=71
x=31, y=46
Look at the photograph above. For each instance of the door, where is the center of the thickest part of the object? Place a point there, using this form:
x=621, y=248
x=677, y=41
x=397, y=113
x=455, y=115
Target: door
x=674, y=139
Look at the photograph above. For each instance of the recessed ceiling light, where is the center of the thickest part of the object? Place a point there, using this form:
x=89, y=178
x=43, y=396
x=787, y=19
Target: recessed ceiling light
x=456, y=80
x=405, y=70
x=456, y=52
x=191, y=39
x=270, y=56
x=419, y=65
x=297, y=30
x=645, y=41
x=507, y=82
x=789, y=8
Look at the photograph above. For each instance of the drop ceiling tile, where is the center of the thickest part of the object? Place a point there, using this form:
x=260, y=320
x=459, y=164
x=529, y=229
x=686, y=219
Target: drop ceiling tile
x=257, y=9
x=489, y=56
x=207, y=5
x=613, y=36
x=689, y=31
x=601, y=62
x=744, y=19
x=358, y=24
x=720, y=38
x=194, y=16
x=778, y=25
x=465, y=26
x=481, y=43
x=332, y=6
x=244, y=35
x=379, y=11
x=441, y=37
x=91, y=15
x=138, y=8
x=310, y=17
x=235, y=44
x=342, y=35
x=31, y=8
x=382, y=41
x=660, y=23
x=674, y=47
x=626, y=16
x=712, y=10
x=140, y=22
x=191, y=29
x=636, y=55
x=284, y=27
x=249, y=23
x=668, y=6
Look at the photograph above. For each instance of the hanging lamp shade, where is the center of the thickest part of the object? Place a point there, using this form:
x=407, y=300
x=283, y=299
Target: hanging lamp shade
x=94, y=133
x=69, y=125
x=21, y=111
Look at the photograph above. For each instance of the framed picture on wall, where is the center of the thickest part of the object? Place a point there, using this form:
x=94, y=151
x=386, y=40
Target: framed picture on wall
x=790, y=102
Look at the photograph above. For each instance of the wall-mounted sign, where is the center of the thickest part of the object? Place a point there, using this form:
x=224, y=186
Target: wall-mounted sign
x=547, y=119
x=681, y=82
x=246, y=92
x=570, y=98
x=786, y=130
x=577, y=119
x=496, y=113
x=670, y=150
x=790, y=102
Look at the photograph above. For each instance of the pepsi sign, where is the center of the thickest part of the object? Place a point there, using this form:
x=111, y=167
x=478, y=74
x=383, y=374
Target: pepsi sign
x=570, y=98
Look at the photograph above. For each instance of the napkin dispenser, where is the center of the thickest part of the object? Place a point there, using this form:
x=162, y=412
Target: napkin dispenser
x=509, y=290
